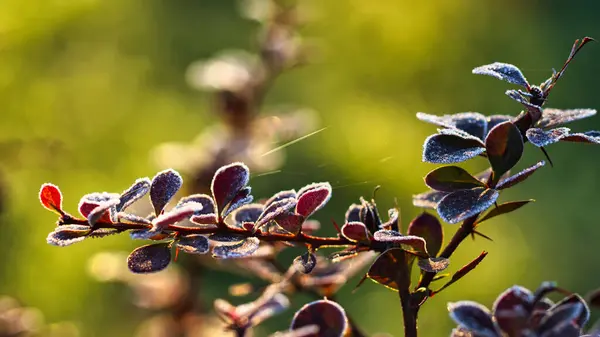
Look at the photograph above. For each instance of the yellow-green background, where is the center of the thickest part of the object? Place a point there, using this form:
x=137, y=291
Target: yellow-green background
x=106, y=78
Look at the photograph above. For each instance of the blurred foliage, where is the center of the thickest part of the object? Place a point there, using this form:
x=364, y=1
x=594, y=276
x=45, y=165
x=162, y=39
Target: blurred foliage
x=88, y=88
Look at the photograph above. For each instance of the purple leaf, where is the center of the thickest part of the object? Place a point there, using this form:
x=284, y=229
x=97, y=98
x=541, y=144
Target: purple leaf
x=312, y=198
x=247, y=213
x=415, y=242
x=511, y=310
x=473, y=123
x=193, y=244
x=503, y=71
x=353, y=213
x=207, y=202
x=280, y=196
x=135, y=192
x=144, y=234
x=329, y=316
x=430, y=229
x=519, y=177
x=429, y=199
x=204, y=219
x=242, y=198
x=238, y=250
x=177, y=215
x=290, y=222
x=227, y=182
x=459, y=205
x=150, y=258
x=132, y=219
x=533, y=111
x=450, y=179
x=473, y=316
x=165, y=185
x=504, y=147
x=227, y=238
x=591, y=137
x=273, y=210
x=434, y=264
x=504, y=208
x=305, y=263
x=539, y=137
x=355, y=232
x=67, y=235
x=448, y=149
x=554, y=117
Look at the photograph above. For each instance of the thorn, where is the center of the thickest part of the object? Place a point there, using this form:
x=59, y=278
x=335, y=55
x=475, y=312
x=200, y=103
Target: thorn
x=482, y=235
x=337, y=228
x=547, y=156
x=362, y=280
x=176, y=254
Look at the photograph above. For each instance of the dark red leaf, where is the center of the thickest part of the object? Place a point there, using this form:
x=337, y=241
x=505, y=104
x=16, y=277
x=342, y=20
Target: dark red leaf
x=519, y=177
x=464, y=271
x=329, y=316
x=504, y=208
x=353, y=213
x=176, y=215
x=504, y=146
x=387, y=269
x=51, y=198
x=450, y=179
x=305, y=263
x=165, y=185
x=355, y=232
x=242, y=198
x=135, y=192
x=193, y=244
x=227, y=182
x=449, y=148
x=429, y=228
x=290, y=222
x=512, y=308
x=415, y=242
x=273, y=210
x=474, y=317
x=460, y=205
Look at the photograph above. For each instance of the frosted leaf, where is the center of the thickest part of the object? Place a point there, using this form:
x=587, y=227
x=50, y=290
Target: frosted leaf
x=448, y=149
x=554, y=117
x=280, y=196
x=355, y=231
x=150, y=258
x=89, y=202
x=193, y=244
x=353, y=213
x=51, y=197
x=472, y=123
x=207, y=202
x=503, y=71
x=227, y=238
x=101, y=210
x=434, y=264
x=474, y=317
x=165, y=185
x=430, y=229
x=451, y=178
x=242, y=249
x=429, y=199
x=592, y=137
x=535, y=111
x=519, y=177
x=312, y=199
x=539, y=137
x=177, y=215
x=494, y=120
x=415, y=242
x=273, y=210
x=457, y=206
x=227, y=183
x=329, y=316
x=135, y=192
x=504, y=147
x=132, y=219
x=144, y=234
x=247, y=213
x=305, y=263
x=67, y=235
x=511, y=309
x=242, y=198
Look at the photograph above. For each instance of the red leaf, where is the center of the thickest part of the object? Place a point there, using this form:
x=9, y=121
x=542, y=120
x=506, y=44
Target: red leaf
x=227, y=182
x=51, y=198
x=355, y=231
x=313, y=199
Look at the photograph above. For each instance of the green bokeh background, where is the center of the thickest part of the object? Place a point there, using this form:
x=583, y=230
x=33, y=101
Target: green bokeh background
x=106, y=80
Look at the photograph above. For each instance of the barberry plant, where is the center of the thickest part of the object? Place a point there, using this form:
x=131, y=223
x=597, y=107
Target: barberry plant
x=228, y=224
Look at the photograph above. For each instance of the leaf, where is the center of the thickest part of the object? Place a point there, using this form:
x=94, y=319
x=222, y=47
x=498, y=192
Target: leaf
x=584, y=313
x=512, y=309
x=132, y=219
x=430, y=229
x=554, y=117
x=313, y=198
x=242, y=198
x=227, y=182
x=429, y=199
x=460, y=205
x=557, y=317
x=289, y=221
x=539, y=137
x=165, y=185
x=242, y=249
x=353, y=213
x=280, y=196
x=504, y=208
x=494, y=120
x=51, y=198
x=448, y=149
x=227, y=238
x=207, y=202
x=473, y=123
x=329, y=316
x=102, y=212
x=145, y=234
x=177, y=215
x=504, y=146
x=591, y=137
x=415, y=242
x=273, y=210
x=534, y=112
x=205, y=219
x=503, y=71
x=305, y=263
x=269, y=308
x=67, y=235
x=355, y=231
x=464, y=270
x=434, y=264
x=193, y=244
x=450, y=179
x=474, y=317
x=519, y=177
x=90, y=202
x=149, y=258
x=134, y=193
x=247, y=213
x=386, y=270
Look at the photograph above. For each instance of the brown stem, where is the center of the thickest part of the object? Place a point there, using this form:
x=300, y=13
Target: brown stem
x=409, y=312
